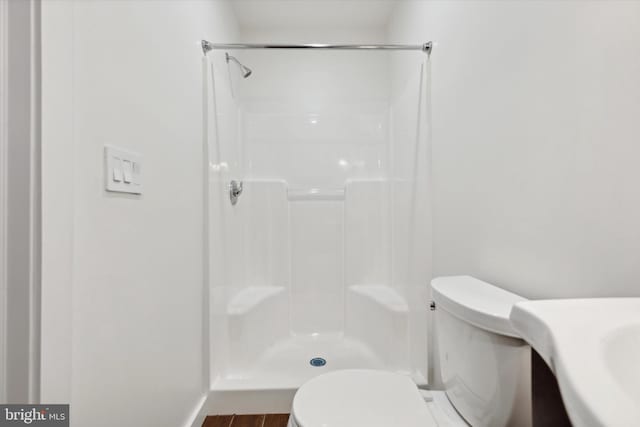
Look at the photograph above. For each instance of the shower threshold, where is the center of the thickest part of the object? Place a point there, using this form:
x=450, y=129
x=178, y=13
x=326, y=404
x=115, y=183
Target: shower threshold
x=290, y=363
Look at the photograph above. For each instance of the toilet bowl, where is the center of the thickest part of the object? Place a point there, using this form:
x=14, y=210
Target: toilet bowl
x=484, y=368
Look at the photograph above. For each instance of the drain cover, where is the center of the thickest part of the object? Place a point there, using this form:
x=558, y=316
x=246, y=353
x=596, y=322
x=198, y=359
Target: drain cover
x=317, y=361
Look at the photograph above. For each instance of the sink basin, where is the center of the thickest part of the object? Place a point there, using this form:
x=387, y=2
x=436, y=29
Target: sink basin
x=622, y=350
x=593, y=348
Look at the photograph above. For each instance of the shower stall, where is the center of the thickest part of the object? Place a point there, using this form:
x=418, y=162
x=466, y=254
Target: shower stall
x=323, y=259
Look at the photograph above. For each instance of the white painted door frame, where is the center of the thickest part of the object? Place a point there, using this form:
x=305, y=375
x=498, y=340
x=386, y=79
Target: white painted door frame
x=4, y=47
x=20, y=218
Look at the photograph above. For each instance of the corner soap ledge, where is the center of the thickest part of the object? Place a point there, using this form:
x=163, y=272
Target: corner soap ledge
x=251, y=297
x=315, y=194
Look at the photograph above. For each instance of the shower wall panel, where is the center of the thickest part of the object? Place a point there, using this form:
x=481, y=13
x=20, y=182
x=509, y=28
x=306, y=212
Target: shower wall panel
x=317, y=265
x=319, y=122
x=266, y=233
x=367, y=233
x=320, y=146
x=315, y=119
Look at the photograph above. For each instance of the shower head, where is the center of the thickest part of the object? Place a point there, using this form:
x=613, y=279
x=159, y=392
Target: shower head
x=246, y=71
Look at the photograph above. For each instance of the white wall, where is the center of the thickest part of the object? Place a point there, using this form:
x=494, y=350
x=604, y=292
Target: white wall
x=535, y=142
x=57, y=201
x=128, y=74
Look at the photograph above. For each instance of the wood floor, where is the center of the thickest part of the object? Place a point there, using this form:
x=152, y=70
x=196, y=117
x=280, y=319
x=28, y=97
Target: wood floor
x=268, y=420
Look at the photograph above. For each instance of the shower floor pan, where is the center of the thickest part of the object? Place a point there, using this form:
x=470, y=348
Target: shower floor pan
x=287, y=364
x=265, y=355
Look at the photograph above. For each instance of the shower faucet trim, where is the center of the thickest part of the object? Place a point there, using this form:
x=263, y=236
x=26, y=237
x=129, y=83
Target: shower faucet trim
x=235, y=190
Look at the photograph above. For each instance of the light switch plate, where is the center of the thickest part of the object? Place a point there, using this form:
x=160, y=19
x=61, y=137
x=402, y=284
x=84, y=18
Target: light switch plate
x=123, y=170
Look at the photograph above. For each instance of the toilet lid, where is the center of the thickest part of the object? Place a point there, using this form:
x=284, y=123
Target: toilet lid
x=357, y=397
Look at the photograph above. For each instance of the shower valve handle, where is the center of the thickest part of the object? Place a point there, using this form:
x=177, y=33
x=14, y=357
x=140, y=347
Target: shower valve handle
x=235, y=190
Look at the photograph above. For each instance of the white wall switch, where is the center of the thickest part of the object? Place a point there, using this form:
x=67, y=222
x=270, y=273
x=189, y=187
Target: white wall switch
x=122, y=170
x=116, y=170
x=127, y=171
x=136, y=172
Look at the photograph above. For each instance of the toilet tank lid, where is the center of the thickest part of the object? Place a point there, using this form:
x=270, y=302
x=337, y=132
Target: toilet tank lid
x=479, y=303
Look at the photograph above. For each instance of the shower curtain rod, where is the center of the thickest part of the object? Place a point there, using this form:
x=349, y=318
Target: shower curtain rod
x=425, y=47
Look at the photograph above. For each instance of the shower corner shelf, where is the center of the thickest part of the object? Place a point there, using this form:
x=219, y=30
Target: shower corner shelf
x=315, y=194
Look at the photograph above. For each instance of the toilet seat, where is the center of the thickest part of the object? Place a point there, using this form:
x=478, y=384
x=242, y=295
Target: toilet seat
x=360, y=397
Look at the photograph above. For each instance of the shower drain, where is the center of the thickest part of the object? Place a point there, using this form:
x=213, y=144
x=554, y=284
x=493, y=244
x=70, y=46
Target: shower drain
x=317, y=362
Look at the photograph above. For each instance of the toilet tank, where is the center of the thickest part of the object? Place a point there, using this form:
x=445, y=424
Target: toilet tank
x=485, y=366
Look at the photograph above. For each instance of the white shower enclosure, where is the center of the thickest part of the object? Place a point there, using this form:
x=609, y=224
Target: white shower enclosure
x=327, y=252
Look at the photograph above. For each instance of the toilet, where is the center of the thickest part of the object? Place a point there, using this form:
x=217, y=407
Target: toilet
x=484, y=365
